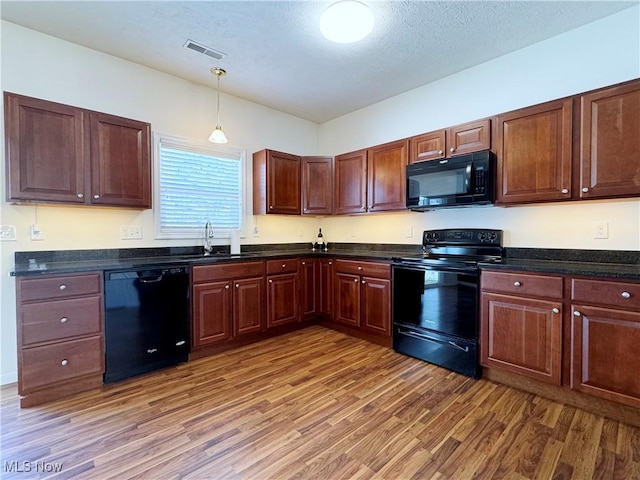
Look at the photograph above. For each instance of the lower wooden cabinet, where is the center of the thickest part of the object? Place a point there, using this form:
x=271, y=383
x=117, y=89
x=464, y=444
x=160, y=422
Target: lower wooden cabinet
x=325, y=290
x=309, y=288
x=60, y=336
x=248, y=306
x=282, y=292
x=376, y=305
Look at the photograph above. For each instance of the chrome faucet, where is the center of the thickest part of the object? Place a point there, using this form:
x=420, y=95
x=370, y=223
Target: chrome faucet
x=208, y=239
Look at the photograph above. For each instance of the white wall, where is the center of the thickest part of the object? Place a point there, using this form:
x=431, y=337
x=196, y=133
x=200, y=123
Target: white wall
x=599, y=54
x=37, y=65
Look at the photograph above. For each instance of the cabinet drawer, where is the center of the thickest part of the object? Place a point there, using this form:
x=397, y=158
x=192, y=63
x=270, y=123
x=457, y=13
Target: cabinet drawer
x=207, y=273
x=32, y=289
x=522, y=284
x=62, y=361
x=287, y=265
x=59, y=319
x=370, y=269
x=619, y=294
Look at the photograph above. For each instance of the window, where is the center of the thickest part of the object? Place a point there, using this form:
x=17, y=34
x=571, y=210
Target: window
x=196, y=183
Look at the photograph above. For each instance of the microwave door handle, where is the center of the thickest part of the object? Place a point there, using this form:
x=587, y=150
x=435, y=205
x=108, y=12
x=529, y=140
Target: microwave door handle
x=467, y=177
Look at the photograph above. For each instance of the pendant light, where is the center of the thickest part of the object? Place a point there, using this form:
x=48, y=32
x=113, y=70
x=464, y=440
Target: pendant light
x=218, y=136
x=346, y=21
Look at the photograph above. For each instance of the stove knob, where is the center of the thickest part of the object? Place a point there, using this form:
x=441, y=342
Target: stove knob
x=482, y=236
x=436, y=236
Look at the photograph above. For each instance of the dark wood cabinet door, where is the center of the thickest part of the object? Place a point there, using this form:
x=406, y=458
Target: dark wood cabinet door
x=317, y=185
x=120, y=161
x=428, y=146
x=45, y=155
x=534, y=153
x=326, y=287
x=248, y=306
x=606, y=353
x=283, y=183
x=350, y=182
x=386, y=165
x=211, y=320
x=282, y=292
x=610, y=142
x=347, y=299
x=522, y=335
x=376, y=305
x=469, y=137
x=309, y=289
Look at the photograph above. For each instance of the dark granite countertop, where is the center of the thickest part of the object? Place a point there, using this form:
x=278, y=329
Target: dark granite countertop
x=612, y=264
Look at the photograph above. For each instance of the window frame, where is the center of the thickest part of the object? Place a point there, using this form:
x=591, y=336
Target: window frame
x=206, y=148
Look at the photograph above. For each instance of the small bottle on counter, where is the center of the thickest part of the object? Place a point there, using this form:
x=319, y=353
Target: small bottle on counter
x=320, y=243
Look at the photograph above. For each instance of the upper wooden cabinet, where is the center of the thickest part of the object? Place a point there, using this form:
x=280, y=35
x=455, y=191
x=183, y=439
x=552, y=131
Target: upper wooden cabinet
x=371, y=180
x=534, y=153
x=317, y=185
x=62, y=154
x=609, y=151
x=276, y=183
x=466, y=138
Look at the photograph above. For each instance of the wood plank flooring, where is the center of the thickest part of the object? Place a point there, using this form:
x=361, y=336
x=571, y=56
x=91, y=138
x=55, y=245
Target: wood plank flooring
x=313, y=404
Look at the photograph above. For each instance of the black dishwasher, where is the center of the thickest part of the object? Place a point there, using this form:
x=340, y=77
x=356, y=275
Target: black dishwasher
x=146, y=320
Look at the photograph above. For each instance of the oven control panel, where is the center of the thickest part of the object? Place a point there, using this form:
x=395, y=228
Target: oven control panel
x=466, y=236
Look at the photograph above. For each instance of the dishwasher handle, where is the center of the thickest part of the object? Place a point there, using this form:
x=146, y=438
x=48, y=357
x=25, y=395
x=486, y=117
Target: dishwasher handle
x=150, y=279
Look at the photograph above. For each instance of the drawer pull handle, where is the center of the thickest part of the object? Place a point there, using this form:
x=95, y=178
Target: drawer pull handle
x=80, y=195
x=152, y=350
x=517, y=284
x=64, y=320
x=64, y=362
x=585, y=189
x=96, y=196
x=576, y=313
x=62, y=287
x=565, y=190
x=555, y=310
x=625, y=295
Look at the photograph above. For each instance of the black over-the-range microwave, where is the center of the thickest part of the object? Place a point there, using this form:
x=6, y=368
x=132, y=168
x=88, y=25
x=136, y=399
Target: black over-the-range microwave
x=460, y=181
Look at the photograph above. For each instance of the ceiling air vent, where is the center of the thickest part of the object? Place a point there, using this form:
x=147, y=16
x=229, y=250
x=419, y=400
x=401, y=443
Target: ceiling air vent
x=209, y=52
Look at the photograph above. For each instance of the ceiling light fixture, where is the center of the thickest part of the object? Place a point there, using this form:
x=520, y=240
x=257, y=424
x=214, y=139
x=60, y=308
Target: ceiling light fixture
x=346, y=21
x=218, y=136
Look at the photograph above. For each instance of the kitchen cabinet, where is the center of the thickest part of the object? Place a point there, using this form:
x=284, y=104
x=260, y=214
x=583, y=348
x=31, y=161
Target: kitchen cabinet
x=521, y=324
x=534, y=148
x=363, y=296
x=309, y=288
x=326, y=287
x=283, y=280
x=277, y=181
x=57, y=153
x=371, y=180
x=605, y=348
x=317, y=185
x=60, y=336
x=467, y=138
x=609, y=142
x=228, y=301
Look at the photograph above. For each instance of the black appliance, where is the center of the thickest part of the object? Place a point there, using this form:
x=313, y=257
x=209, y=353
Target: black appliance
x=146, y=320
x=436, y=297
x=460, y=181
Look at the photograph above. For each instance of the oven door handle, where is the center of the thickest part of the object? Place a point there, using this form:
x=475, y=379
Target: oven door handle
x=420, y=336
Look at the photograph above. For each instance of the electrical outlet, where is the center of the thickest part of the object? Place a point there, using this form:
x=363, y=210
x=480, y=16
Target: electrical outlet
x=409, y=232
x=35, y=233
x=7, y=233
x=256, y=232
x=131, y=232
x=601, y=229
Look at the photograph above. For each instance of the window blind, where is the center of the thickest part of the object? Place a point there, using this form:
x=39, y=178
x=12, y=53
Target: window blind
x=197, y=187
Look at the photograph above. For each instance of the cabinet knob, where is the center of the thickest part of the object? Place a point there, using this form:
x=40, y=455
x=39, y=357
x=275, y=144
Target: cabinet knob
x=555, y=310
x=227, y=286
x=96, y=196
x=440, y=152
x=64, y=362
x=585, y=189
x=64, y=320
x=270, y=207
x=452, y=149
x=80, y=195
x=625, y=295
x=306, y=209
x=359, y=268
x=355, y=280
x=565, y=190
x=237, y=285
x=363, y=208
x=370, y=207
x=330, y=263
x=576, y=313
x=304, y=263
x=517, y=284
x=270, y=281
x=284, y=265
x=364, y=282
x=62, y=287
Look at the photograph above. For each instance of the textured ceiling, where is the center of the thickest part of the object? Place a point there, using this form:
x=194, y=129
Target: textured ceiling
x=277, y=57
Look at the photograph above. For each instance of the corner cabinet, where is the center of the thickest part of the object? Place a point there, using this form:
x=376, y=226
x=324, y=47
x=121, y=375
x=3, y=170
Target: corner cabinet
x=276, y=183
x=317, y=185
x=609, y=152
x=60, y=336
x=57, y=153
x=371, y=180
